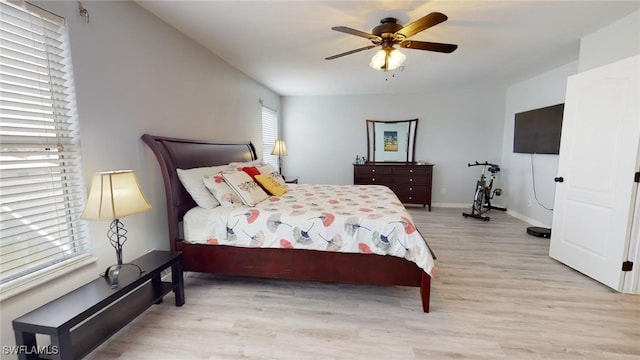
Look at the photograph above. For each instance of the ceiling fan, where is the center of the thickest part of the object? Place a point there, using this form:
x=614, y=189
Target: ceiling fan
x=390, y=33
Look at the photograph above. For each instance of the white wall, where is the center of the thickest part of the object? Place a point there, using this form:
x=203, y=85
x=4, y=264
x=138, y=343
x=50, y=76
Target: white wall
x=611, y=43
x=135, y=74
x=325, y=133
x=543, y=90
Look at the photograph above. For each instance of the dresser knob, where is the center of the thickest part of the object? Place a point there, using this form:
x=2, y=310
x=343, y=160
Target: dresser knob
x=373, y=170
x=410, y=179
x=373, y=179
x=410, y=189
x=410, y=170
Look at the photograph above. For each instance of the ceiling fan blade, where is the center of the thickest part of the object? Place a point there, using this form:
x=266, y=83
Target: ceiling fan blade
x=348, y=30
x=430, y=46
x=423, y=23
x=350, y=52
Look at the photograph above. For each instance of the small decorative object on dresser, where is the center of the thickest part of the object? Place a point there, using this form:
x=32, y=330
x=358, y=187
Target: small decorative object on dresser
x=410, y=182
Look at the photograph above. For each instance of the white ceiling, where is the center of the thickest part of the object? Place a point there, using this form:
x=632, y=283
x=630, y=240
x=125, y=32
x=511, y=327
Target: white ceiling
x=283, y=44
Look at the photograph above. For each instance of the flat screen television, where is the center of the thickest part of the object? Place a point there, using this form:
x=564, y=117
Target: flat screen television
x=538, y=131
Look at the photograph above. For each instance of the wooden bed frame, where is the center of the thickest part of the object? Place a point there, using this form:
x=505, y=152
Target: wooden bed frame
x=294, y=264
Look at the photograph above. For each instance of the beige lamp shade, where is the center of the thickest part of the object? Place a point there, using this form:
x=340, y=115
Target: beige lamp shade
x=279, y=148
x=113, y=195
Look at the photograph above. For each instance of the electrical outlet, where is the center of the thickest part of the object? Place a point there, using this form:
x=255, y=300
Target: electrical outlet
x=529, y=202
x=444, y=190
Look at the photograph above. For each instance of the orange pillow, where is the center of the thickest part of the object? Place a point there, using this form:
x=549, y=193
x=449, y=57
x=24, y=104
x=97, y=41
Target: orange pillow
x=270, y=184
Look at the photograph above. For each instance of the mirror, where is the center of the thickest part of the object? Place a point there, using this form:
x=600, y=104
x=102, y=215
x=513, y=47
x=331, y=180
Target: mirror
x=391, y=141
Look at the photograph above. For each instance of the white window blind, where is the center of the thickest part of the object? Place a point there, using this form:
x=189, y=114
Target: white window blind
x=269, y=135
x=41, y=186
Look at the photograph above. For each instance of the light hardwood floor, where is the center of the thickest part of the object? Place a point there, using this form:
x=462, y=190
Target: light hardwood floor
x=496, y=295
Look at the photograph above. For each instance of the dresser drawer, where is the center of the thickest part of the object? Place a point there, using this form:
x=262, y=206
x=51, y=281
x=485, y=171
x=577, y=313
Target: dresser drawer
x=411, y=179
x=412, y=170
x=372, y=170
x=412, y=194
x=411, y=183
x=369, y=179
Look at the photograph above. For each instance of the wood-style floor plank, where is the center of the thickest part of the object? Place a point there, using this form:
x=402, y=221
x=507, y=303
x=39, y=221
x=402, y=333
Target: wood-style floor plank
x=496, y=295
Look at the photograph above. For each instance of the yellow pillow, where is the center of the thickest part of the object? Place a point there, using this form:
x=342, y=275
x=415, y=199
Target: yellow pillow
x=270, y=184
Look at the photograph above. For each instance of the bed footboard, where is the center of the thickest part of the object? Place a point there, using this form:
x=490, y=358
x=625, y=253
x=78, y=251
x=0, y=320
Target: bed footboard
x=294, y=264
x=298, y=264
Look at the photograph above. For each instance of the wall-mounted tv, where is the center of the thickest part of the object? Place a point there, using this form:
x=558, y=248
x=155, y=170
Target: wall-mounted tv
x=538, y=131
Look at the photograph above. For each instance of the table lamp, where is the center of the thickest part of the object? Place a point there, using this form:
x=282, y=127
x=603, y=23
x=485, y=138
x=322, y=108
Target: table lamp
x=114, y=195
x=280, y=149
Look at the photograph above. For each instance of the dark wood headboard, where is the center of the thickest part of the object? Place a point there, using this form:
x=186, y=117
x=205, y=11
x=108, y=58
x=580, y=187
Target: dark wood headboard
x=174, y=153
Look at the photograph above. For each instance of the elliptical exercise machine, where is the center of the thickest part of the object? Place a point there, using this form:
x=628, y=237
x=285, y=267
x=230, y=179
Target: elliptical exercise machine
x=484, y=192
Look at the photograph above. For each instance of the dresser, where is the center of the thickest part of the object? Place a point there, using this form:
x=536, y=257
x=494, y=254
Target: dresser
x=410, y=182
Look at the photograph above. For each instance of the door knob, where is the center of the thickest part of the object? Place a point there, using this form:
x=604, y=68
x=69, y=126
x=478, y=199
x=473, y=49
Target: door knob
x=559, y=179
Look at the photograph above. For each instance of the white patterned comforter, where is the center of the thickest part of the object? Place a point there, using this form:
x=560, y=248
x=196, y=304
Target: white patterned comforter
x=345, y=218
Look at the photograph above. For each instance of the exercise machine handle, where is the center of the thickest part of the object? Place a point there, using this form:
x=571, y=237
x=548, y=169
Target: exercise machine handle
x=481, y=164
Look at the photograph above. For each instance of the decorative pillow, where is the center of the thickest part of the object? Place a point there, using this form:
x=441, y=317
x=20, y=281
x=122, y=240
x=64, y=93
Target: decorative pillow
x=270, y=170
x=191, y=179
x=251, y=170
x=271, y=184
x=249, y=191
x=240, y=164
x=221, y=190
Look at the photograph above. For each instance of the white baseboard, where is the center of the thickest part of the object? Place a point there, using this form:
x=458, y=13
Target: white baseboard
x=526, y=219
x=451, y=205
x=458, y=205
x=515, y=214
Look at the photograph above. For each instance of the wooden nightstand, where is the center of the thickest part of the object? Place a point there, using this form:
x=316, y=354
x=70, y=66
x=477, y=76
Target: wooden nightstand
x=95, y=308
x=290, y=179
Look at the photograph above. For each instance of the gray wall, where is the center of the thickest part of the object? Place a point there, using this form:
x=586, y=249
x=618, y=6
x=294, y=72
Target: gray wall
x=325, y=133
x=135, y=74
x=614, y=42
x=519, y=169
x=611, y=43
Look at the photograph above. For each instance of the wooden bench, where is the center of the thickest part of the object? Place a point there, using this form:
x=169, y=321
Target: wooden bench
x=81, y=320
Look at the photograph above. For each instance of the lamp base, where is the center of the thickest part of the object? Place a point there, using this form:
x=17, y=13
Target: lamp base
x=113, y=272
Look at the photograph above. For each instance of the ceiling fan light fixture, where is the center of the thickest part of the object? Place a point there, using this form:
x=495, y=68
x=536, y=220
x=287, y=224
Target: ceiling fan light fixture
x=378, y=60
x=396, y=59
x=389, y=34
x=387, y=59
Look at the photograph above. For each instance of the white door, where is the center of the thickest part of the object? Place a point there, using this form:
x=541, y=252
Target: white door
x=594, y=205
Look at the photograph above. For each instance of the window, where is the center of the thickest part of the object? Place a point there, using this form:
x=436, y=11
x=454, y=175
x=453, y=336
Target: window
x=269, y=135
x=41, y=182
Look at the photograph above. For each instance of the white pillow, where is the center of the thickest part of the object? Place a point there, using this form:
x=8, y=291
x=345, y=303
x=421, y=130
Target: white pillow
x=240, y=164
x=249, y=191
x=270, y=170
x=221, y=190
x=191, y=179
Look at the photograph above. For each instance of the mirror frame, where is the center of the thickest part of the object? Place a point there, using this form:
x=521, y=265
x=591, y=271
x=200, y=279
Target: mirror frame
x=376, y=140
